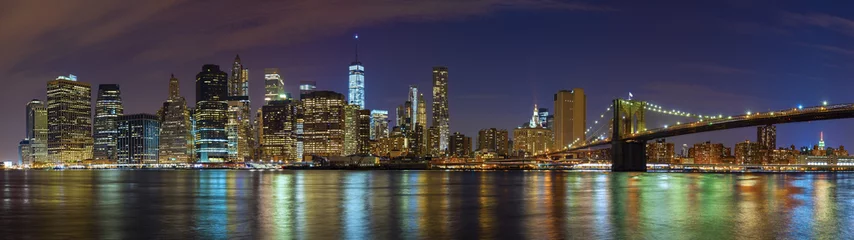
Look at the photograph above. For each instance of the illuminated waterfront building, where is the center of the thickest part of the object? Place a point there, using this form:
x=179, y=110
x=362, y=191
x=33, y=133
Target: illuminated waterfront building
x=176, y=135
x=211, y=115
x=278, y=134
x=492, y=140
x=459, y=145
x=36, y=135
x=323, y=123
x=532, y=141
x=379, y=124
x=766, y=137
x=393, y=146
x=351, y=129
x=708, y=153
x=274, y=86
x=239, y=128
x=441, y=116
x=69, y=114
x=25, y=153
x=356, y=94
x=660, y=151
x=138, y=139
x=570, y=117
x=108, y=108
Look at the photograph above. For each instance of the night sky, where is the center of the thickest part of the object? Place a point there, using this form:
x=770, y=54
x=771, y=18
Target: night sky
x=503, y=56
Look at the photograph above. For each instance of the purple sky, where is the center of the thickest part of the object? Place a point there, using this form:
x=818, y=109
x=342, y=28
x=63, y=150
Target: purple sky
x=503, y=56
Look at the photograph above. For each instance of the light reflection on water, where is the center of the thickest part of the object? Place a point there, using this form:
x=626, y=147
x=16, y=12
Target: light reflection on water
x=422, y=205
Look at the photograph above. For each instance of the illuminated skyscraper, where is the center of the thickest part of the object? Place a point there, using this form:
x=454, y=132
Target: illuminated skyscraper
x=441, y=118
x=357, y=130
x=460, y=145
x=37, y=131
x=306, y=87
x=176, y=135
x=108, y=108
x=379, y=124
x=69, y=114
x=528, y=141
x=323, y=123
x=357, y=81
x=748, y=153
x=766, y=136
x=138, y=139
x=274, y=86
x=239, y=128
x=211, y=115
x=570, y=118
x=278, y=136
x=821, y=141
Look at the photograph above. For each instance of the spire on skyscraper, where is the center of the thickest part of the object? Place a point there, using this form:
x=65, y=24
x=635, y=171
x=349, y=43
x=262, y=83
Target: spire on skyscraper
x=357, y=49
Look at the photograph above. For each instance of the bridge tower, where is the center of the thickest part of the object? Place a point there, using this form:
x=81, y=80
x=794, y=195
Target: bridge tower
x=628, y=155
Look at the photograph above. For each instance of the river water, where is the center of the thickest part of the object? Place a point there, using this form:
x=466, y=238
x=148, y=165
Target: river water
x=321, y=204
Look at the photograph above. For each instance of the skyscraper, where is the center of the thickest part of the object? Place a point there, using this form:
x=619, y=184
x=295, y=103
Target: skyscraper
x=69, y=114
x=306, y=87
x=239, y=128
x=821, y=141
x=323, y=123
x=379, y=124
x=138, y=139
x=570, y=118
x=766, y=136
x=108, y=108
x=493, y=140
x=211, y=115
x=356, y=94
x=528, y=141
x=441, y=118
x=459, y=145
x=278, y=136
x=274, y=86
x=37, y=131
x=176, y=135
x=357, y=130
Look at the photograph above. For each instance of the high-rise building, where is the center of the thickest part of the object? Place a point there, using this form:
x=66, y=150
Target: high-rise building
x=356, y=94
x=323, y=123
x=532, y=141
x=766, y=136
x=238, y=84
x=546, y=120
x=364, y=132
x=441, y=118
x=25, y=153
x=821, y=141
x=708, y=153
x=274, y=86
x=459, y=145
x=239, y=128
x=493, y=140
x=108, y=108
x=351, y=129
x=278, y=136
x=69, y=114
x=306, y=87
x=570, y=118
x=176, y=135
x=748, y=153
x=138, y=139
x=660, y=151
x=36, y=135
x=211, y=115
x=379, y=124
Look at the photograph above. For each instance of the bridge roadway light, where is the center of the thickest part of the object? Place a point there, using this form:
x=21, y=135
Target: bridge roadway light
x=824, y=103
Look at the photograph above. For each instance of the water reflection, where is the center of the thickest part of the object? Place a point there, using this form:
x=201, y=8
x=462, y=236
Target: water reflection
x=422, y=205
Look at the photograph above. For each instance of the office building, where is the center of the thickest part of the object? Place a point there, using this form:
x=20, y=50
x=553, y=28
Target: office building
x=357, y=132
x=493, y=140
x=138, y=139
x=69, y=120
x=108, y=108
x=660, y=151
x=278, y=136
x=36, y=135
x=211, y=115
x=379, y=124
x=441, y=116
x=766, y=136
x=532, y=141
x=570, y=117
x=306, y=87
x=748, y=153
x=356, y=80
x=25, y=153
x=323, y=123
x=176, y=135
x=274, y=86
x=459, y=145
x=239, y=128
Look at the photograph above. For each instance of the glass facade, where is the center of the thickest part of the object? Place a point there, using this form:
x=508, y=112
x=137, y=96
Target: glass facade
x=138, y=139
x=108, y=108
x=441, y=117
x=211, y=115
x=69, y=120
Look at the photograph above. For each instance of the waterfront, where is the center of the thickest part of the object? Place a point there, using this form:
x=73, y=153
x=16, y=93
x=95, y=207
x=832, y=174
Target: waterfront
x=211, y=204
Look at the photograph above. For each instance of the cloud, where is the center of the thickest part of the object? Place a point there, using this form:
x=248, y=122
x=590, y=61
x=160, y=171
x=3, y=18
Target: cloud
x=830, y=22
x=175, y=30
x=715, y=68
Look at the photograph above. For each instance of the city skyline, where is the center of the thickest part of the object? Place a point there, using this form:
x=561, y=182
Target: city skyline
x=384, y=50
